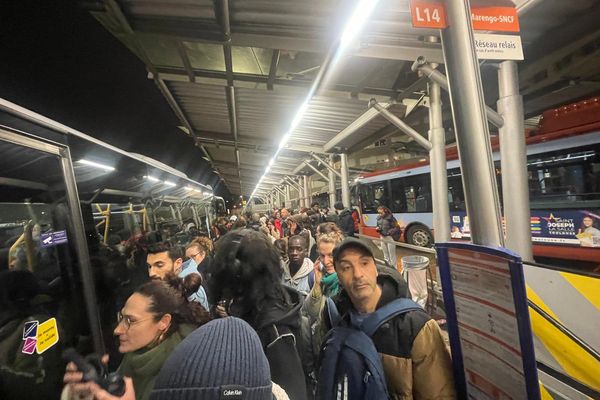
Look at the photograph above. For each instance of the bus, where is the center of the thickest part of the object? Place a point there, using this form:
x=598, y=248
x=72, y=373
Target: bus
x=563, y=163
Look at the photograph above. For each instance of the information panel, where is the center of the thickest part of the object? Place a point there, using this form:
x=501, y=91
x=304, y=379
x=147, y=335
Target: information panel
x=488, y=322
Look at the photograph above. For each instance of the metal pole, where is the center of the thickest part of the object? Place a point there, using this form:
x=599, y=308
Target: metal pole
x=403, y=126
x=345, y=185
x=326, y=164
x=307, y=194
x=331, y=183
x=472, y=134
x=437, y=159
x=513, y=155
x=436, y=76
x=287, y=196
x=326, y=179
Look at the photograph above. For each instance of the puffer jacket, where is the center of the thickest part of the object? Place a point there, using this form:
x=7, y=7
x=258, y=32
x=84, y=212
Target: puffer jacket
x=415, y=360
x=385, y=223
x=346, y=222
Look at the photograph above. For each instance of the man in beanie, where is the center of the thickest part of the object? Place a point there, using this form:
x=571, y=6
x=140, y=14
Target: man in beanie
x=415, y=360
x=223, y=359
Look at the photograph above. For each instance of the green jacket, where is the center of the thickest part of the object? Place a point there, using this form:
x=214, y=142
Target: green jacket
x=143, y=365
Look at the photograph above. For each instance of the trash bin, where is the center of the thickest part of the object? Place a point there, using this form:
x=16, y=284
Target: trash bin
x=415, y=269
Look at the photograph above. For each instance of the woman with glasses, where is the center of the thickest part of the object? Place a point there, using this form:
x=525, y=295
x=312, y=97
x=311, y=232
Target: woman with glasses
x=154, y=320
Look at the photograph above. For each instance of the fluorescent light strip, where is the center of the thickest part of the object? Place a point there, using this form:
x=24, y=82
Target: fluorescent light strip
x=168, y=183
x=96, y=165
x=354, y=25
x=152, y=179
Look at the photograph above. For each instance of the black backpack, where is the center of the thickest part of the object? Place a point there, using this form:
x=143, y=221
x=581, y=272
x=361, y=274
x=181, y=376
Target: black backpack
x=350, y=366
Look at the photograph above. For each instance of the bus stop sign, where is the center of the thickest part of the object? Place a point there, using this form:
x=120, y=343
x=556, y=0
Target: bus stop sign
x=432, y=14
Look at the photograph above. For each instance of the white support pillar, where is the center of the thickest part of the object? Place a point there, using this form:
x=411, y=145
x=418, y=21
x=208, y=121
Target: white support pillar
x=288, y=202
x=331, y=175
x=437, y=159
x=513, y=155
x=307, y=192
x=344, y=179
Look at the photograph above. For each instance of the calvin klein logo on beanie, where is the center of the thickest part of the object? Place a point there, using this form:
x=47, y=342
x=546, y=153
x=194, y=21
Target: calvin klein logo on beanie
x=233, y=392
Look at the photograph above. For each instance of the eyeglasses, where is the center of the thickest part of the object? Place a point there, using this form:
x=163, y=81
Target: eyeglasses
x=195, y=255
x=127, y=322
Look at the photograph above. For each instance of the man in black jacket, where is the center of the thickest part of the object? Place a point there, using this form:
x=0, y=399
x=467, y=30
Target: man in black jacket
x=345, y=220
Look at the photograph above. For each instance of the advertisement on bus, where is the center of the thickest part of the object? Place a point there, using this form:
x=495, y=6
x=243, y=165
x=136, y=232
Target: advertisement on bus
x=557, y=227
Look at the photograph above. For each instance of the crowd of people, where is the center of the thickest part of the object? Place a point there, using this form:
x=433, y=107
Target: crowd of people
x=250, y=308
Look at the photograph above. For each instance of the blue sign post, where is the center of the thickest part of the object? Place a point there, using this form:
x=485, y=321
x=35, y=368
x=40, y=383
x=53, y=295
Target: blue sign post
x=488, y=322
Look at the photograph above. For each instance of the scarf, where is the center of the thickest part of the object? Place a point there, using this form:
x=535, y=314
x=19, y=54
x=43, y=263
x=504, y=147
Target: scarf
x=330, y=285
x=143, y=365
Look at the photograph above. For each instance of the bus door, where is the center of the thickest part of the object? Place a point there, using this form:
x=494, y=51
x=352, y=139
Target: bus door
x=47, y=293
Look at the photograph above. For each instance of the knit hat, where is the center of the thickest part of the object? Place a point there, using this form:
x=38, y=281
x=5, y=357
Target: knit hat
x=221, y=360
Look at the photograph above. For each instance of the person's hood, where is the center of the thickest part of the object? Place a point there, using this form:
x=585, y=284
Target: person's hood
x=345, y=211
x=304, y=270
x=385, y=216
x=392, y=285
x=284, y=312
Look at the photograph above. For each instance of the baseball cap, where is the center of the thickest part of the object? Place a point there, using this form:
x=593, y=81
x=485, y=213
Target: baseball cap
x=233, y=218
x=351, y=243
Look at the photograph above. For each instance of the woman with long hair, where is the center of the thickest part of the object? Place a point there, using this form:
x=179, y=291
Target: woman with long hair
x=154, y=320
x=247, y=276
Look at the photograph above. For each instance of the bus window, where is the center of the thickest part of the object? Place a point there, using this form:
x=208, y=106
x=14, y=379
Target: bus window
x=565, y=177
x=374, y=195
x=417, y=191
x=456, y=198
x=398, y=196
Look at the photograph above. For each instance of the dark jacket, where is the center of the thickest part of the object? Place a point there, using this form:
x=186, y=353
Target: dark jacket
x=275, y=325
x=385, y=223
x=346, y=222
x=415, y=360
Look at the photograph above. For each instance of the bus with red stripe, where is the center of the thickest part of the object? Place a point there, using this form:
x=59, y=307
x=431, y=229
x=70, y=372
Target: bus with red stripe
x=563, y=163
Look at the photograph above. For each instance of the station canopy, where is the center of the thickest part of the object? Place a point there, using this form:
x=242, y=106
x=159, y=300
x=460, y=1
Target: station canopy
x=238, y=74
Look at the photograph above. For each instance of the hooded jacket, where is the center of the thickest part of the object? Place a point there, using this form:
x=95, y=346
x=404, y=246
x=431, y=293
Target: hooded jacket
x=346, y=222
x=279, y=327
x=415, y=360
x=300, y=279
x=385, y=223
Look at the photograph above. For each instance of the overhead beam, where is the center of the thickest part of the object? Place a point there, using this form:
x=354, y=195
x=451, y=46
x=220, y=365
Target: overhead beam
x=273, y=68
x=220, y=77
x=186, y=61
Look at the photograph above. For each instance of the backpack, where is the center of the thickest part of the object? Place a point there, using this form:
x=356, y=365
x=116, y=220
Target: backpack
x=350, y=366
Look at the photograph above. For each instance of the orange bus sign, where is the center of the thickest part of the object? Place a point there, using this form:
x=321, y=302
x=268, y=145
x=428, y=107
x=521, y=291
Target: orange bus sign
x=426, y=14
x=432, y=14
x=502, y=19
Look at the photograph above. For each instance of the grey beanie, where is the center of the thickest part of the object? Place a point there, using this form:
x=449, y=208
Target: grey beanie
x=221, y=360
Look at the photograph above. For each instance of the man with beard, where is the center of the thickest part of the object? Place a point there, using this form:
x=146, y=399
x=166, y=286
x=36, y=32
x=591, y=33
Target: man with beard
x=165, y=259
x=297, y=270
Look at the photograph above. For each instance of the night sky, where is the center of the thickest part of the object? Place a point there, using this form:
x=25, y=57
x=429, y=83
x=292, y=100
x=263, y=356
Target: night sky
x=57, y=60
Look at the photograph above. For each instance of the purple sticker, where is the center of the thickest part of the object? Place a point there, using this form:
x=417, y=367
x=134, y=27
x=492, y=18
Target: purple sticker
x=29, y=345
x=30, y=329
x=53, y=238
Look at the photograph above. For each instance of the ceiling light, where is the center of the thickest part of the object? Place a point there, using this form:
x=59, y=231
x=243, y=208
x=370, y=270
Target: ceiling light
x=355, y=24
x=168, y=183
x=190, y=188
x=96, y=165
x=152, y=179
